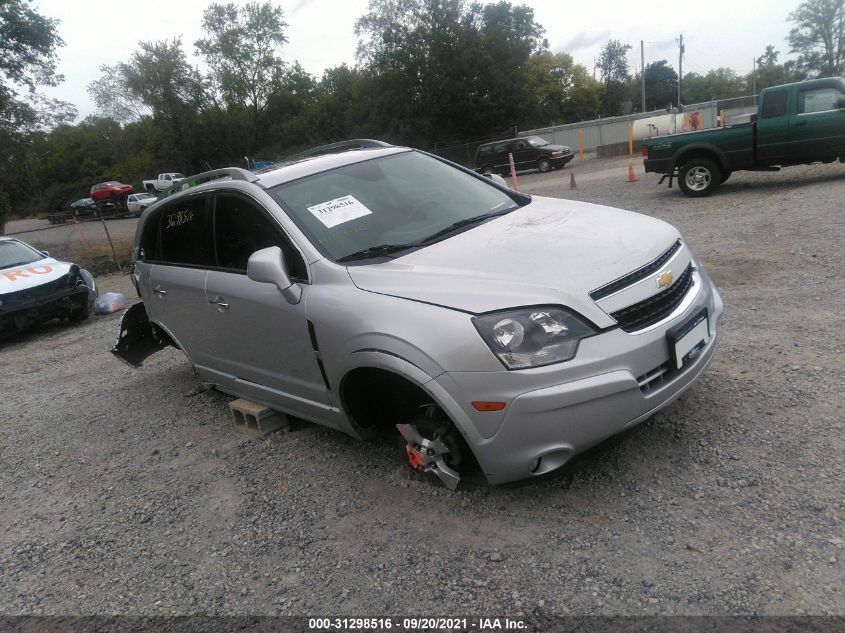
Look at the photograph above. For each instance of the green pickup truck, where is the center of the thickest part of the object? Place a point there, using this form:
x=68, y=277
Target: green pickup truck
x=795, y=124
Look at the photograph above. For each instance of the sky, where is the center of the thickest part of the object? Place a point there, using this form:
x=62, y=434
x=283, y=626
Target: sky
x=321, y=32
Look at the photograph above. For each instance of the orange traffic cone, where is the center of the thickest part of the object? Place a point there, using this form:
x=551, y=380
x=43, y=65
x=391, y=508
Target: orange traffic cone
x=631, y=176
x=572, y=184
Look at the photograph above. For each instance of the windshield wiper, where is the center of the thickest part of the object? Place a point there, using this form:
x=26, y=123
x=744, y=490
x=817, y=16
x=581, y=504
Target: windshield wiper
x=376, y=251
x=477, y=219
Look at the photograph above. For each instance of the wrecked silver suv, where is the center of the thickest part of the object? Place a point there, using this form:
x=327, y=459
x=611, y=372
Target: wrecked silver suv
x=386, y=289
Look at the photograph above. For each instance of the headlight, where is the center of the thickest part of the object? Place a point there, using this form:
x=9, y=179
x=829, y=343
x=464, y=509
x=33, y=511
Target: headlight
x=532, y=337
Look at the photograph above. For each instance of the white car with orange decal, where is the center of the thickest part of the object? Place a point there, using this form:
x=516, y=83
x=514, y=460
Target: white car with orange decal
x=35, y=287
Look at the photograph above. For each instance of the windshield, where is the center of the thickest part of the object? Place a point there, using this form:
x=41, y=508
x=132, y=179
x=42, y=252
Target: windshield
x=14, y=253
x=401, y=199
x=536, y=141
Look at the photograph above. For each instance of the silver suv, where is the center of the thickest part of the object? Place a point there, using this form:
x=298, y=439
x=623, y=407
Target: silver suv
x=385, y=289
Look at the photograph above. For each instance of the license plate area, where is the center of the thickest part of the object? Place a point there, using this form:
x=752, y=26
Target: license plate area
x=688, y=339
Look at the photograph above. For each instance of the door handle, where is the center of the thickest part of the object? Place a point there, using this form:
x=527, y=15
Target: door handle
x=797, y=123
x=161, y=292
x=220, y=302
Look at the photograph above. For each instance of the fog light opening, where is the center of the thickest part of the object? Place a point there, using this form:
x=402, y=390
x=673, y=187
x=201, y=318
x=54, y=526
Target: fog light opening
x=535, y=465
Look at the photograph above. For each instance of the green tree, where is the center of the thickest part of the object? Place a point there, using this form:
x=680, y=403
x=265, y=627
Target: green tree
x=160, y=77
x=28, y=58
x=443, y=69
x=819, y=37
x=241, y=49
x=715, y=84
x=661, y=85
x=613, y=70
x=112, y=96
x=770, y=73
x=563, y=91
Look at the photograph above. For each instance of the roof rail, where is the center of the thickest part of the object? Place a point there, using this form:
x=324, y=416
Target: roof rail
x=334, y=148
x=235, y=173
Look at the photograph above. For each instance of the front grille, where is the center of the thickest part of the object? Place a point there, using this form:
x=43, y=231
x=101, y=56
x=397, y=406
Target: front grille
x=638, y=275
x=655, y=308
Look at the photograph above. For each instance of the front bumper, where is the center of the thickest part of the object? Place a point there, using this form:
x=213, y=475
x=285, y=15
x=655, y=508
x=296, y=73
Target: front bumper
x=560, y=161
x=41, y=306
x=557, y=411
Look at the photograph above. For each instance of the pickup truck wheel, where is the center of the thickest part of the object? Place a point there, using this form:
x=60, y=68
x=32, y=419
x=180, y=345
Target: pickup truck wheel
x=544, y=165
x=699, y=177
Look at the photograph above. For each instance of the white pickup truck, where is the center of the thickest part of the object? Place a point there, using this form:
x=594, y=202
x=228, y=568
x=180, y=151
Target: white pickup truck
x=163, y=182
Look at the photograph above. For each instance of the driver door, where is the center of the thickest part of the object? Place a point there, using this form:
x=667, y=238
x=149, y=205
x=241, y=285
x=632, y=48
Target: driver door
x=259, y=339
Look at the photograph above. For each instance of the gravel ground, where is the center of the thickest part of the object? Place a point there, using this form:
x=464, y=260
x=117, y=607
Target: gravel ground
x=122, y=493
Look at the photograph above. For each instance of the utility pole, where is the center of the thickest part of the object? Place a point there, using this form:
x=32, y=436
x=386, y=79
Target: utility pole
x=754, y=81
x=642, y=69
x=680, y=66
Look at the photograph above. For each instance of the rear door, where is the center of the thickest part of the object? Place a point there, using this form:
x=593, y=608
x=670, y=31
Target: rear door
x=177, y=275
x=818, y=126
x=258, y=336
x=773, y=128
x=501, y=162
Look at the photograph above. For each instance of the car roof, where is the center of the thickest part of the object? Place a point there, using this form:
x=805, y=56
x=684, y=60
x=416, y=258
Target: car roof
x=288, y=171
x=294, y=168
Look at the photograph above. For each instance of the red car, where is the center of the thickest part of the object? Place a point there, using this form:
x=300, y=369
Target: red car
x=111, y=190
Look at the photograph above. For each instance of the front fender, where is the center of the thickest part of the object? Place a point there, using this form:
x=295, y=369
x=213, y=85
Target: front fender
x=380, y=359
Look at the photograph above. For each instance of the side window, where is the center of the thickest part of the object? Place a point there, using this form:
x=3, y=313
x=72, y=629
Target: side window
x=185, y=228
x=241, y=228
x=148, y=247
x=500, y=148
x=520, y=145
x=819, y=100
x=774, y=104
x=484, y=150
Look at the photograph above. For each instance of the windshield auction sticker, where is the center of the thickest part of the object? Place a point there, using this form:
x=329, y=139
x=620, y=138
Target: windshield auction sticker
x=340, y=210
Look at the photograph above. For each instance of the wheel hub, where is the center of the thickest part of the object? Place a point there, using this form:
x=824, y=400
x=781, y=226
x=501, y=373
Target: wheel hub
x=698, y=178
x=428, y=455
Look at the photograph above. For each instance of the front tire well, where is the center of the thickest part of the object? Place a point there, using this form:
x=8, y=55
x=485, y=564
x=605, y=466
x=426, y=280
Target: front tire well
x=377, y=399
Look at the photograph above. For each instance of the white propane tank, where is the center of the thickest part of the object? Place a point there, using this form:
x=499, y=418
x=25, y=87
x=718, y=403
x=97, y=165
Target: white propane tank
x=660, y=125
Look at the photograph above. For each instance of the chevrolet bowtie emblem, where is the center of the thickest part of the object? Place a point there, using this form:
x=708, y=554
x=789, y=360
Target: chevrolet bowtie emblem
x=665, y=278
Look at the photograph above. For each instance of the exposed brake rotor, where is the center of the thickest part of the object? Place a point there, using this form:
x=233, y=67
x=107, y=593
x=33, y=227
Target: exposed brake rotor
x=429, y=455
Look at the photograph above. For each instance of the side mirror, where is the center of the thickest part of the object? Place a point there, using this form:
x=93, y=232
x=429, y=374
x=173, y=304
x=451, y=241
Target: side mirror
x=45, y=253
x=268, y=266
x=496, y=178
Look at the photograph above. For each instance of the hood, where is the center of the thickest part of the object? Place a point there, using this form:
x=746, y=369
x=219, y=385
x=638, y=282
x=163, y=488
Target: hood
x=551, y=251
x=555, y=148
x=32, y=275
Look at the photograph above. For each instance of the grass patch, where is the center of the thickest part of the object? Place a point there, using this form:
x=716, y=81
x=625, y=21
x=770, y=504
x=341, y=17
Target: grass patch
x=96, y=257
